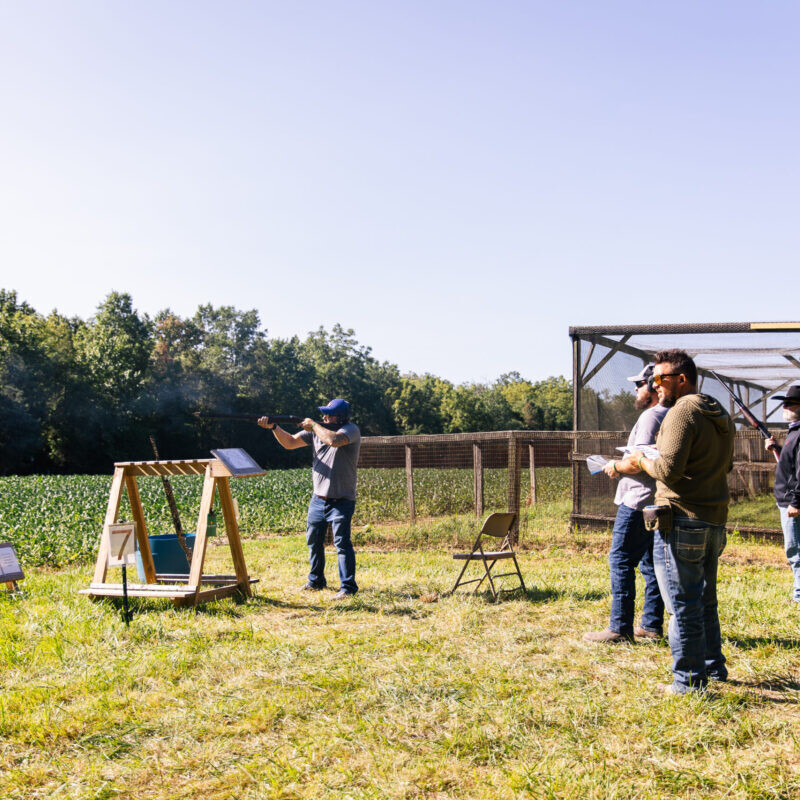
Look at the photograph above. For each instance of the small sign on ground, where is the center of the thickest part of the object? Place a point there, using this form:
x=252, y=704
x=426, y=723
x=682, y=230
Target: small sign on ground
x=121, y=544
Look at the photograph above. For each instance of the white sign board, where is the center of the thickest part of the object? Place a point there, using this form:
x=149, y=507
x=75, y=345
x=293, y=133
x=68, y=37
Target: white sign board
x=121, y=543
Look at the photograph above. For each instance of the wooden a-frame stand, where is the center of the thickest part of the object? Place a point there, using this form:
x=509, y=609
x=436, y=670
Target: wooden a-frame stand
x=181, y=589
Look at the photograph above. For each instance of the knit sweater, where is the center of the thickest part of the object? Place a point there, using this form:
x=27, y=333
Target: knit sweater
x=695, y=446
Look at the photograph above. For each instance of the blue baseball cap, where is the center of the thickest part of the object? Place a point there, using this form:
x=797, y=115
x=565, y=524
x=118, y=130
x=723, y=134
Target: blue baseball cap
x=336, y=408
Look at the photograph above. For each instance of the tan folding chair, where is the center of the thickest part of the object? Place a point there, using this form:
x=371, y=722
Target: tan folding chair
x=499, y=527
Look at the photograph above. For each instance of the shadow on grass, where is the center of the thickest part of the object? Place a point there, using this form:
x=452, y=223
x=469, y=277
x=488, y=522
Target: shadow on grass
x=536, y=595
x=754, y=642
x=531, y=595
x=234, y=607
x=772, y=683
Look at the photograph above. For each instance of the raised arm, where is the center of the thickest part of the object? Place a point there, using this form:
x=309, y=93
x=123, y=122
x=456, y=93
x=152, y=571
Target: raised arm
x=286, y=440
x=329, y=437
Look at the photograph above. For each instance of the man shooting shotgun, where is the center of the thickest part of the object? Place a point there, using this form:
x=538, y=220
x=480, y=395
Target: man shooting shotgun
x=336, y=442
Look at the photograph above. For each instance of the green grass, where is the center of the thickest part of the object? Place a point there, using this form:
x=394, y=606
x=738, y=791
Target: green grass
x=400, y=692
x=756, y=512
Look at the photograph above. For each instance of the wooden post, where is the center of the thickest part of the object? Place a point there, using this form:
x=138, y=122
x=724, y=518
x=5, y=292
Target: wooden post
x=576, y=383
x=576, y=418
x=532, y=460
x=514, y=469
x=412, y=509
x=477, y=478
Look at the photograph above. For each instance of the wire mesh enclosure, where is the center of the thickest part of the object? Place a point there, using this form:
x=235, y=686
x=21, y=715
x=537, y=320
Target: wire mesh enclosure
x=755, y=360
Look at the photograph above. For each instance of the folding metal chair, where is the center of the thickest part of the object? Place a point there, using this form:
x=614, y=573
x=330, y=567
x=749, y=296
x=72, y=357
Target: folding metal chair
x=498, y=526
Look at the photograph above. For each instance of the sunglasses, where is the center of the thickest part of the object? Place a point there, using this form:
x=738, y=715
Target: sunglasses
x=659, y=379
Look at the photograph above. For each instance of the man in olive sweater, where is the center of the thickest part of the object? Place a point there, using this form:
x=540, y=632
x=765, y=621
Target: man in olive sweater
x=695, y=445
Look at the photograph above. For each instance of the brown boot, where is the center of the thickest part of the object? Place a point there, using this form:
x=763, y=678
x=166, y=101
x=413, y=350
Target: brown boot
x=607, y=636
x=643, y=633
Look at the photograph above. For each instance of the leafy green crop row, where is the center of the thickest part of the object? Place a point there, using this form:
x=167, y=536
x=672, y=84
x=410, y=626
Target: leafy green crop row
x=56, y=520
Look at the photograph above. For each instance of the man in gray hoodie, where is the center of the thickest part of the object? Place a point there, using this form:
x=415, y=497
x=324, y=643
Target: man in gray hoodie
x=695, y=446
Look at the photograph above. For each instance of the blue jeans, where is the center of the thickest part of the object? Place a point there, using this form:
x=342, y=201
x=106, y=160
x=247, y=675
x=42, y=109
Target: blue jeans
x=632, y=544
x=339, y=513
x=791, y=544
x=686, y=560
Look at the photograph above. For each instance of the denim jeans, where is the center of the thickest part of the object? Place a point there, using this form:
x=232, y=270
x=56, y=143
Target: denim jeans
x=632, y=544
x=339, y=513
x=791, y=544
x=686, y=560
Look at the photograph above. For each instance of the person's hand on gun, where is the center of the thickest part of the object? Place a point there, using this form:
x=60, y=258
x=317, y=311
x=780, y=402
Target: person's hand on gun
x=769, y=443
x=264, y=422
x=307, y=424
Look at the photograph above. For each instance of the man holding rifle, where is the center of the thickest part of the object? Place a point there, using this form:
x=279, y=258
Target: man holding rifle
x=336, y=447
x=631, y=542
x=787, y=483
x=695, y=454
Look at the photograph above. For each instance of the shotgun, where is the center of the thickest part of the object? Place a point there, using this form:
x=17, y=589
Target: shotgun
x=278, y=419
x=751, y=419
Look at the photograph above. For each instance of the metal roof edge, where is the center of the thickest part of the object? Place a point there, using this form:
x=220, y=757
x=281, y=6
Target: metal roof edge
x=577, y=331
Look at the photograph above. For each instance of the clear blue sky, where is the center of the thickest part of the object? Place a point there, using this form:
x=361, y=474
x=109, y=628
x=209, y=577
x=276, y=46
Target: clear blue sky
x=457, y=181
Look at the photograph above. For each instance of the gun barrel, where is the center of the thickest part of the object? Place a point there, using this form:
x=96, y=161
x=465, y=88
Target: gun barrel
x=278, y=419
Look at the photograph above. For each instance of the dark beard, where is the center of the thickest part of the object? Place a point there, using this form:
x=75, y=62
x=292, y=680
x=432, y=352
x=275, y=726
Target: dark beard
x=640, y=404
x=668, y=402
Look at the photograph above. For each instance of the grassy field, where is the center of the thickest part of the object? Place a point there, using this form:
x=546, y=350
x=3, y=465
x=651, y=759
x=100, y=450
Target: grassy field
x=400, y=692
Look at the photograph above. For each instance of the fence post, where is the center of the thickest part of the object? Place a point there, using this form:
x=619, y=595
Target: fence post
x=477, y=478
x=514, y=469
x=532, y=460
x=412, y=509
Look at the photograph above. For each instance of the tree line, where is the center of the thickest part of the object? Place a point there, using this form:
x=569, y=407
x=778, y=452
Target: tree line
x=77, y=395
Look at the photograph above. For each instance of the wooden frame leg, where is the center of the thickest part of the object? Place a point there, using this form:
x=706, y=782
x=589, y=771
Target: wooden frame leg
x=201, y=537
x=234, y=540
x=112, y=512
x=145, y=553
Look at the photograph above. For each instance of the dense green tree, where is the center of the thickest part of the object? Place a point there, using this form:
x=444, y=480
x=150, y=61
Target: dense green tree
x=76, y=396
x=417, y=406
x=344, y=368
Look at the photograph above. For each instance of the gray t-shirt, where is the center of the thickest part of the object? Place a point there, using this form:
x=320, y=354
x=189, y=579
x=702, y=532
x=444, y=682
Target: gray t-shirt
x=334, y=468
x=636, y=491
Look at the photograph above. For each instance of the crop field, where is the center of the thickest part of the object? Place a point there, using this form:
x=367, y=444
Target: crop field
x=57, y=520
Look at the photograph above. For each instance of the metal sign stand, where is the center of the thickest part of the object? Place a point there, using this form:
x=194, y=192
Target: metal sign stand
x=125, y=612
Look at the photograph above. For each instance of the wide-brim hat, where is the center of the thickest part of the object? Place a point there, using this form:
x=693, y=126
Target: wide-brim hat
x=793, y=395
x=336, y=408
x=644, y=375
